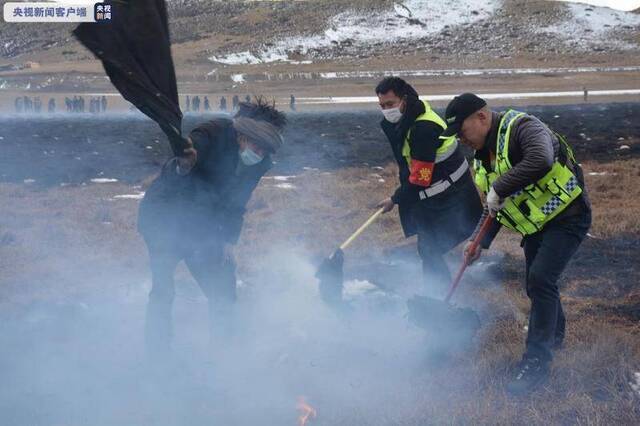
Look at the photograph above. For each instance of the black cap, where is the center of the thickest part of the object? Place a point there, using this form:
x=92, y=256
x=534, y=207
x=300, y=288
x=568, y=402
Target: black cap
x=459, y=109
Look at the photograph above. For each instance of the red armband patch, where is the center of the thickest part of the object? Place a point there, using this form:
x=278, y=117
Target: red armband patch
x=421, y=173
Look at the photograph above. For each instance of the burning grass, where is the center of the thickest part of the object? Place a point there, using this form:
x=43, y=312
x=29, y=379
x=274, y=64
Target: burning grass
x=591, y=377
x=82, y=228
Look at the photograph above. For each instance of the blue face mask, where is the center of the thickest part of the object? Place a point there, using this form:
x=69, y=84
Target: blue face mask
x=249, y=158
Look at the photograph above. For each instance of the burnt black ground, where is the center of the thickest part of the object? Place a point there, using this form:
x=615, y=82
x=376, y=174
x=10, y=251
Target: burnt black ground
x=72, y=149
x=60, y=361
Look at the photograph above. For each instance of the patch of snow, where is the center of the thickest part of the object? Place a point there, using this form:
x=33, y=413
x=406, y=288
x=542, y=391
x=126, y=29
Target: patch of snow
x=635, y=384
x=137, y=196
x=410, y=20
x=367, y=296
x=28, y=181
x=623, y=147
x=354, y=288
x=103, y=180
x=591, y=25
x=280, y=178
x=237, y=78
x=248, y=58
x=624, y=5
x=601, y=174
x=285, y=186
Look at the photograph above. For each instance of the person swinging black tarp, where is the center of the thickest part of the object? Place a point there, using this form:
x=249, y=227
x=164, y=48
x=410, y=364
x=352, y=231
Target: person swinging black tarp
x=135, y=50
x=193, y=211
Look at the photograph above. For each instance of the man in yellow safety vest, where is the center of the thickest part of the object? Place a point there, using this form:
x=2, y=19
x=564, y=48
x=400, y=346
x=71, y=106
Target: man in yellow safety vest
x=535, y=187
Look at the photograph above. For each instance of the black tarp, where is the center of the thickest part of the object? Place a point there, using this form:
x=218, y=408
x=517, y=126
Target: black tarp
x=135, y=50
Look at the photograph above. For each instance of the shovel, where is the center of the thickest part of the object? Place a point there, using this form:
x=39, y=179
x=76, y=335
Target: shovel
x=330, y=271
x=433, y=314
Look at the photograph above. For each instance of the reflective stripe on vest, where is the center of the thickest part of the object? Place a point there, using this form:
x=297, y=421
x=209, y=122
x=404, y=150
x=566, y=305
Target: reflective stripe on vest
x=448, y=146
x=528, y=210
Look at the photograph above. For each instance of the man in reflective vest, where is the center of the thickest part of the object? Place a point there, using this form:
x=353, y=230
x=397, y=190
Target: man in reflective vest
x=534, y=186
x=437, y=199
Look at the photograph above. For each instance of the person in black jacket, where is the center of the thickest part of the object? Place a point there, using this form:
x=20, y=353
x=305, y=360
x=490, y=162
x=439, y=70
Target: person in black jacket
x=194, y=210
x=198, y=217
x=437, y=198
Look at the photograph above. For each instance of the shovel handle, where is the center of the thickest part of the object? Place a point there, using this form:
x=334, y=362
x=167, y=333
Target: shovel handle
x=361, y=229
x=472, y=248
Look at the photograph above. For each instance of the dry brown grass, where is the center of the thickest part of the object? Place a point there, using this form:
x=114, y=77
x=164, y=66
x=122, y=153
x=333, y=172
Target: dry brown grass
x=44, y=233
x=615, y=197
x=590, y=380
x=59, y=240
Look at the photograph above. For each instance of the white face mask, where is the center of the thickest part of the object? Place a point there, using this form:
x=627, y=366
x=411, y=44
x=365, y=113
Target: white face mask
x=249, y=158
x=392, y=115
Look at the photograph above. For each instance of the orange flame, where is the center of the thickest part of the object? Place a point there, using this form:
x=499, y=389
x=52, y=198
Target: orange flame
x=307, y=411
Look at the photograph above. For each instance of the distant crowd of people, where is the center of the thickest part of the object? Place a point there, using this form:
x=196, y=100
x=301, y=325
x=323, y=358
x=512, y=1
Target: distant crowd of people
x=192, y=103
x=28, y=104
x=97, y=104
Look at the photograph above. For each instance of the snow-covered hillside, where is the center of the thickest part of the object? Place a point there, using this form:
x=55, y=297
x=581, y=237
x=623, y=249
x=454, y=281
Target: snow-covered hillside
x=409, y=20
x=444, y=24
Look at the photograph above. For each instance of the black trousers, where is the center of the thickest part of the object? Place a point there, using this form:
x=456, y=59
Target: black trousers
x=442, y=222
x=215, y=275
x=547, y=253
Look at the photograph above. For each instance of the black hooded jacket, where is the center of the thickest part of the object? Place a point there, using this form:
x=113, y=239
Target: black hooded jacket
x=208, y=205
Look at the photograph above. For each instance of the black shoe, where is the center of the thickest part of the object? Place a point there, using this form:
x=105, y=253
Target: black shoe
x=530, y=373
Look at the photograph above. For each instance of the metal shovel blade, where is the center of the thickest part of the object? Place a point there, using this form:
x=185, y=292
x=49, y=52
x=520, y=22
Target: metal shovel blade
x=331, y=278
x=440, y=317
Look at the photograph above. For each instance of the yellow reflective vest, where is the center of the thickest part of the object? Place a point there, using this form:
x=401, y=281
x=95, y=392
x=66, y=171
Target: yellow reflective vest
x=448, y=146
x=529, y=209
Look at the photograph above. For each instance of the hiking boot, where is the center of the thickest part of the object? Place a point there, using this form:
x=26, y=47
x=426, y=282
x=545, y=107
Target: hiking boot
x=529, y=374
